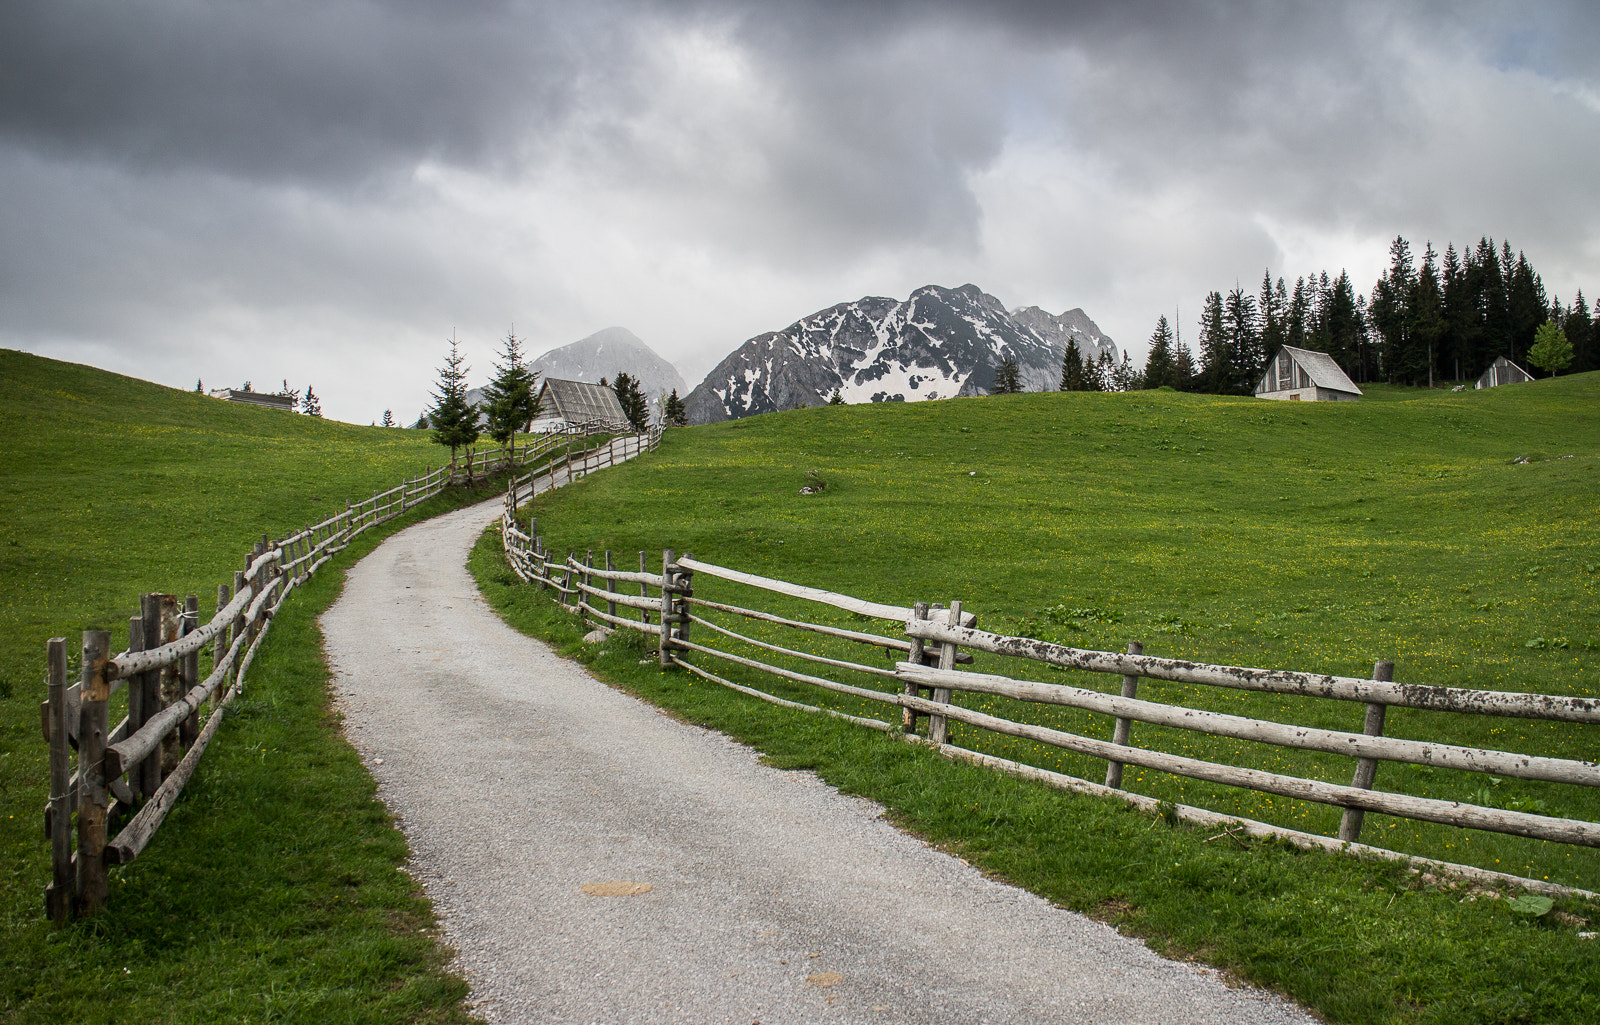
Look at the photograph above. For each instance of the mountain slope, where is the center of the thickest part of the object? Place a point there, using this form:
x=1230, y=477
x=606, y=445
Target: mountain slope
x=938, y=343
x=602, y=354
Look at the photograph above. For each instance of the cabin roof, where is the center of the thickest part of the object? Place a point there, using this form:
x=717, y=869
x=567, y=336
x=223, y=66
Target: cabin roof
x=1321, y=368
x=579, y=401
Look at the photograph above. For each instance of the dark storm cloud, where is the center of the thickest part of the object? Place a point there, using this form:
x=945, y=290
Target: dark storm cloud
x=305, y=90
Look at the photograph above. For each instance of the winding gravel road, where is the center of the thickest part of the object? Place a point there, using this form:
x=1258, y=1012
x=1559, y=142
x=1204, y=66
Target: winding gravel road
x=519, y=779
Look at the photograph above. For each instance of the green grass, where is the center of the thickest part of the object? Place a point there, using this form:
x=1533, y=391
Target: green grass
x=272, y=891
x=1310, y=537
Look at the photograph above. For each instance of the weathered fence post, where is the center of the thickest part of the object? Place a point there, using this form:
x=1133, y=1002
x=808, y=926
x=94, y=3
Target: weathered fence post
x=664, y=649
x=190, y=671
x=58, y=895
x=588, y=581
x=683, y=589
x=644, y=567
x=908, y=716
x=94, y=693
x=149, y=684
x=136, y=711
x=1119, y=735
x=171, y=680
x=219, y=646
x=238, y=619
x=566, y=577
x=1366, y=768
x=611, y=586
x=938, y=728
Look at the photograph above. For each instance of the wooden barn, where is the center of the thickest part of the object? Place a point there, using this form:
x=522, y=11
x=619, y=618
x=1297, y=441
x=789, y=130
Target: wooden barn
x=563, y=403
x=1503, y=372
x=1301, y=375
x=255, y=398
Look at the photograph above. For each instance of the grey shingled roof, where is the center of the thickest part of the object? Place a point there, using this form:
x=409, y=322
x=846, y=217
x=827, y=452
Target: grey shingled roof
x=1322, y=370
x=579, y=401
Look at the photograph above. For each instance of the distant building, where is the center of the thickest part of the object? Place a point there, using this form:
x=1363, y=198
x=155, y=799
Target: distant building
x=563, y=403
x=1503, y=372
x=1301, y=375
x=255, y=398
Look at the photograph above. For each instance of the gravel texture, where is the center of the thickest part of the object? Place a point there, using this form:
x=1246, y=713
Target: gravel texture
x=518, y=779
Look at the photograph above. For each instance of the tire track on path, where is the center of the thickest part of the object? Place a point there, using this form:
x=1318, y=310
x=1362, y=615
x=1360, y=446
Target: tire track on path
x=518, y=778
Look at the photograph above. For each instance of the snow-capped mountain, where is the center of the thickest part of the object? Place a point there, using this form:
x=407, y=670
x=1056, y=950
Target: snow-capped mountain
x=601, y=355
x=937, y=344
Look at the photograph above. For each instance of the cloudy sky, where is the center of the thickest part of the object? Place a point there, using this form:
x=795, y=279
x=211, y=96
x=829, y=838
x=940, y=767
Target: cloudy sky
x=325, y=191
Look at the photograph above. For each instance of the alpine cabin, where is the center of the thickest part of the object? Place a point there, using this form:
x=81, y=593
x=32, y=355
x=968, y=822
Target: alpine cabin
x=570, y=403
x=1503, y=371
x=1301, y=375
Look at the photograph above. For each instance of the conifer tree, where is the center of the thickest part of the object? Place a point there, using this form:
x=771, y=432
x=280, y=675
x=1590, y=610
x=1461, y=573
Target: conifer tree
x=1007, y=380
x=837, y=398
x=1183, y=368
x=1160, y=365
x=1072, y=373
x=1216, y=359
x=1580, y=331
x=1299, y=315
x=675, y=413
x=312, y=405
x=455, y=423
x=1244, y=343
x=511, y=401
x=634, y=405
x=199, y=388
x=1103, y=375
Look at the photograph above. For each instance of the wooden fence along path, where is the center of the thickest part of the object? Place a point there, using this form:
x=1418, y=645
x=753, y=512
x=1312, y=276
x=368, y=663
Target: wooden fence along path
x=932, y=641
x=136, y=770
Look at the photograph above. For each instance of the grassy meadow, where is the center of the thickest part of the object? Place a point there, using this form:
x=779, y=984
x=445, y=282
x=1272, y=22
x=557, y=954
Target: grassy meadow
x=272, y=891
x=1308, y=537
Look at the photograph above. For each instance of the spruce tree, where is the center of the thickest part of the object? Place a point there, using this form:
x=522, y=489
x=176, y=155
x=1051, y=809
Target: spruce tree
x=455, y=423
x=1216, y=359
x=1526, y=306
x=1103, y=375
x=388, y=418
x=1183, y=368
x=634, y=405
x=837, y=398
x=1072, y=375
x=1580, y=331
x=1007, y=379
x=675, y=413
x=511, y=401
x=1244, y=342
x=312, y=405
x=1299, y=316
x=1160, y=366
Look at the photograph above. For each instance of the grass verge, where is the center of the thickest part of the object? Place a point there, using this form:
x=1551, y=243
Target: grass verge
x=272, y=892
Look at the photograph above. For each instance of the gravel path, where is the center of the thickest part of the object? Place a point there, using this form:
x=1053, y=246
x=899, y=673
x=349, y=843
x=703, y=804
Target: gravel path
x=518, y=778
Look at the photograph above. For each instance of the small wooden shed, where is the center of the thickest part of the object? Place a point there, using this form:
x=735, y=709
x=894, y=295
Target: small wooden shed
x=255, y=398
x=578, y=402
x=1303, y=375
x=1503, y=371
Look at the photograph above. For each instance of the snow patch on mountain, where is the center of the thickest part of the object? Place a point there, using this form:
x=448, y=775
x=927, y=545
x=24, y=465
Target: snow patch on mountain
x=938, y=343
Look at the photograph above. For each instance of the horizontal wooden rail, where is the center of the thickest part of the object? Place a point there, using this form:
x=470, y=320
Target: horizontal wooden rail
x=859, y=606
x=1452, y=813
x=807, y=656
x=1342, y=688
x=1238, y=727
x=887, y=643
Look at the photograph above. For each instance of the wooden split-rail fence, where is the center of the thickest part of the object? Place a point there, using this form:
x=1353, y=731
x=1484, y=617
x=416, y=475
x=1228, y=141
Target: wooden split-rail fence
x=130, y=775
x=933, y=641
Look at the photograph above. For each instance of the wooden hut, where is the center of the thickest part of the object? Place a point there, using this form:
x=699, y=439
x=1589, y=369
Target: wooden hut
x=1302, y=375
x=1503, y=371
x=569, y=403
x=255, y=398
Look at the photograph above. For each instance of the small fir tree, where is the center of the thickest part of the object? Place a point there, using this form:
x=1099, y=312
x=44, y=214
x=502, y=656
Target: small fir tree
x=1072, y=375
x=1104, y=376
x=634, y=405
x=199, y=387
x=1160, y=367
x=422, y=421
x=313, y=405
x=511, y=401
x=455, y=423
x=1551, y=351
x=1007, y=380
x=292, y=393
x=388, y=418
x=674, y=412
x=836, y=399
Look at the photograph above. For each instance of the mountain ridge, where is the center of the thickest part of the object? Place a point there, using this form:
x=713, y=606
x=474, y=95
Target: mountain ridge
x=937, y=343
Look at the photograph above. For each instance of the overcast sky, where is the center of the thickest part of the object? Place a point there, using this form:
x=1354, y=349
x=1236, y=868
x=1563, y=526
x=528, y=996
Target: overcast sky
x=325, y=191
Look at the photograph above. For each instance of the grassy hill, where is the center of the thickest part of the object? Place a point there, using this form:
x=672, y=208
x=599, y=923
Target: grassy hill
x=1314, y=537
x=1310, y=537
x=271, y=893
